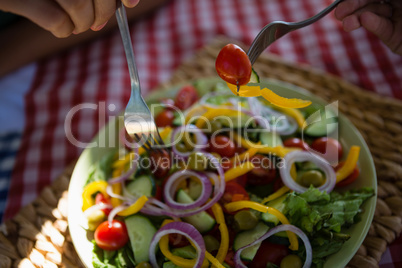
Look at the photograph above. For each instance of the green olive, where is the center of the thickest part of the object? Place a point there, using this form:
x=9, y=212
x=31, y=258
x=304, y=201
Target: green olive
x=245, y=220
x=144, y=264
x=188, y=141
x=311, y=177
x=197, y=161
x=181, y=147
x=216, y=126
x=211, y=243
x=291, y=261
x=95, y=218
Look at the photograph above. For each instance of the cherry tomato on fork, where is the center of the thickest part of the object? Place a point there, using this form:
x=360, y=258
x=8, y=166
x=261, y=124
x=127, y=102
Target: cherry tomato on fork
x=111, y=236
x=186, y=97
x=160, y=163
x=233, y=65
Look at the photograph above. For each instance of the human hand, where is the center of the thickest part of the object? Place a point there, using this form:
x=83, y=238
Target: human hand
x=383, y=18
x=64, y=17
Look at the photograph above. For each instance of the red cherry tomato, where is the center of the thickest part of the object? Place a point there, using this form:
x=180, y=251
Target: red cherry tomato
x=268, y=252
x=264, y=171
x=164, y=118
x=331, y=149
x=297, y=143
x=223, y=146
x=349, y=179
x=101, y=199
x=233, y=65
x=111, y=236
x=278, y=184
x=160, y=163
x=186, y=97
x=233, y=188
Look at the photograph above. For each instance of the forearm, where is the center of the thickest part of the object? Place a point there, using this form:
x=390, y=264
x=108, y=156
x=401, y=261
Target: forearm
x=24, y=42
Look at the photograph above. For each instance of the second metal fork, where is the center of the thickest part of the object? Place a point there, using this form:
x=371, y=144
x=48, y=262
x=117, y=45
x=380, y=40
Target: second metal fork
x=138, y=120
x=273, y=31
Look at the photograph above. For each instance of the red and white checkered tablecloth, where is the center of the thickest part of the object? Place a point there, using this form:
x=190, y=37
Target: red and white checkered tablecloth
x=96, y=75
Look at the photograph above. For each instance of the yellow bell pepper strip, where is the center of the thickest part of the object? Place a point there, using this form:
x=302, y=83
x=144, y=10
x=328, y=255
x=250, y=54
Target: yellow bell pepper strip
x=245, y=91
x=293, y=172
x=214, y=112
x=269, y=95
x=245, y=155
x=281, y=191
x=179, y=261
x=90, y=190
x=264, y=149
x=224, y=245
x=234, y=206
x=135, y=207
x=213, y=260
x=279, y=101
x=349, y=165
x=116, y=189
x=194, y=112
x=239, y=170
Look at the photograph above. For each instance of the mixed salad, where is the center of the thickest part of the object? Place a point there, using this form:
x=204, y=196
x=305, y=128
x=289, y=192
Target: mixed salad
x=239, y=183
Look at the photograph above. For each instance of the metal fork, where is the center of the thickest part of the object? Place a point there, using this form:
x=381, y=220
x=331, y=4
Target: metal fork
x=276, y=29
x=138, y=120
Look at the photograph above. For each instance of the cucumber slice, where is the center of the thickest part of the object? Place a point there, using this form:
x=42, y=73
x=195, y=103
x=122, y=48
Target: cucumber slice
x=255, y=78
x=140, y=231
x=143, y=185
x=246, y=237
x=321, y=123
x=202, y=221
x=279, y=204
x=271, y=139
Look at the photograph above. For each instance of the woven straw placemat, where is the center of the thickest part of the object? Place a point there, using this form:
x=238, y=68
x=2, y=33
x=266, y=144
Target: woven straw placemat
x=38, y=235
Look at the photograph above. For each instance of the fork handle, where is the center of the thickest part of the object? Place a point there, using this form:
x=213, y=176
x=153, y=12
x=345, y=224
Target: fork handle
x=318, y=16
x=121, y=17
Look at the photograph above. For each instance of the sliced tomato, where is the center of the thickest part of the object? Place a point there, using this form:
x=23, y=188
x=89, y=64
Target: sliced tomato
x=111, y=236
x=164, y=118
x=222, y=145
x=264, y=171
x=233, y=65
x=268, y=253
x=278, y=184
x=186, y=97
x=296, y=143
x=101, y=199
x=349, y=179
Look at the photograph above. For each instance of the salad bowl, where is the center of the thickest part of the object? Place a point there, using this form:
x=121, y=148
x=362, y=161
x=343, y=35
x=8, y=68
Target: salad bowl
x=107, y=140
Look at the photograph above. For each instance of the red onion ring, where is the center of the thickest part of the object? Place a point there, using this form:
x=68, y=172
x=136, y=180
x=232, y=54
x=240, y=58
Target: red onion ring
x=116, y=210
x=201, y=139
x=277, y=229
x=173, y=182
x=157, y=208
x=182, y=228
x=300, y=156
